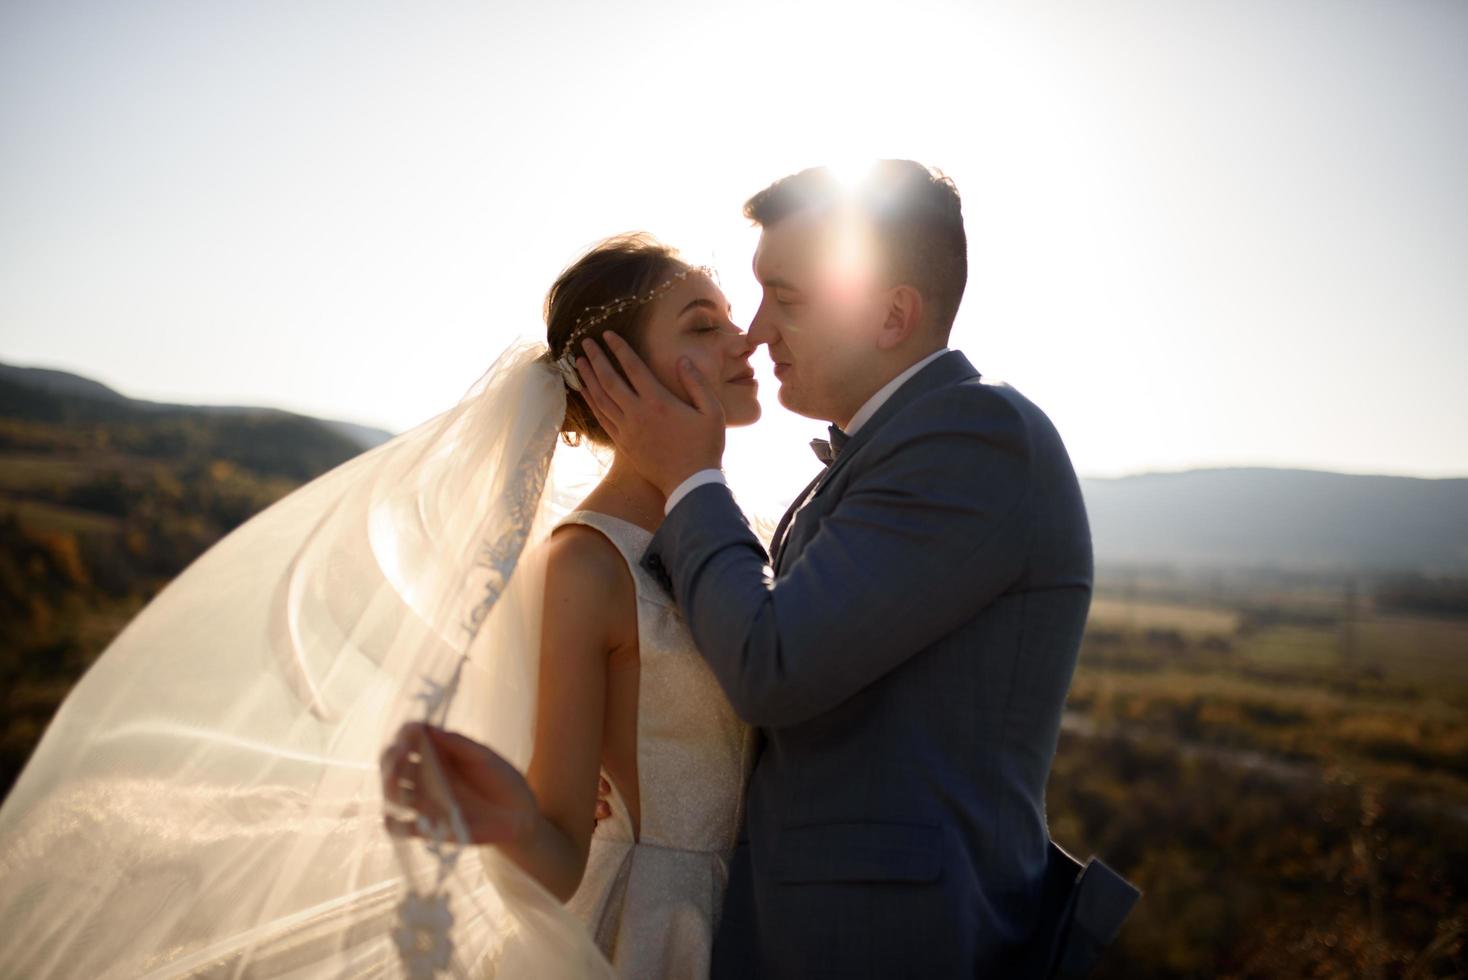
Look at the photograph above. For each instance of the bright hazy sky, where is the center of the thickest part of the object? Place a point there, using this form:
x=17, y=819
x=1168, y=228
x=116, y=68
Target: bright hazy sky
x=1200, y=233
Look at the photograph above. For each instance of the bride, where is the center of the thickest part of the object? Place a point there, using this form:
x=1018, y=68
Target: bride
x=211, y=797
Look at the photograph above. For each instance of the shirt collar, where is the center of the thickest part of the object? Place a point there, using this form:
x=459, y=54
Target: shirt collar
x=864, y=414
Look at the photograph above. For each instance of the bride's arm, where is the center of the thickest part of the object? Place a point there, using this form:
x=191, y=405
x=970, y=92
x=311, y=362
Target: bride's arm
x=539, y=819
x=590, y=613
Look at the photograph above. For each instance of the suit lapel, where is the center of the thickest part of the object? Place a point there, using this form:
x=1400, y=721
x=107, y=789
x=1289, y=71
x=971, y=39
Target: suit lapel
x=949, y=369
x=777, y=542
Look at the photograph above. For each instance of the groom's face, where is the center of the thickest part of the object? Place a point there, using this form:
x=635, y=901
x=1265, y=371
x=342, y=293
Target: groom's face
x=819, y=311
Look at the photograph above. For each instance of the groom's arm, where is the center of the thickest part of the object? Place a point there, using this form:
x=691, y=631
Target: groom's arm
x=933, y=529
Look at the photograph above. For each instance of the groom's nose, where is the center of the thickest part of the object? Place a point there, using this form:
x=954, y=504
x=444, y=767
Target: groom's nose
x=762, y=327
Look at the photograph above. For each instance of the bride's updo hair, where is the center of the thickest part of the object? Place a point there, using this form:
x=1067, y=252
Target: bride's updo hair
x=595, y=288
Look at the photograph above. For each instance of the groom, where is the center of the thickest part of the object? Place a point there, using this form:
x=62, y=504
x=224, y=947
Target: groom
x=906, y=646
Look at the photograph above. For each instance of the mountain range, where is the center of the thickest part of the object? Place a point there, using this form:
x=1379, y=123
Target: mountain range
x=1284, y=519
x=75, y=388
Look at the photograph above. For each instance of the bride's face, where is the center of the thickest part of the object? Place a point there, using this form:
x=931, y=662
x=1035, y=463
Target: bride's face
x=692, y=320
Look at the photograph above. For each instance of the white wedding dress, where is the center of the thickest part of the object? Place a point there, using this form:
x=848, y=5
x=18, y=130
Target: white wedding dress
x=652, y=899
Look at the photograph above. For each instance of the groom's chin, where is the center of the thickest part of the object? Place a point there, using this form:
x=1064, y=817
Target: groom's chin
x=792, y=404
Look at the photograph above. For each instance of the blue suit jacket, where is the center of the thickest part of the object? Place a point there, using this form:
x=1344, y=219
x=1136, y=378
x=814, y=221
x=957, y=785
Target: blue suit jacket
x=906, y=660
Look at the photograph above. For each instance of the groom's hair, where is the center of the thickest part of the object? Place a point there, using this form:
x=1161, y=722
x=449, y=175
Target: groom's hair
x=914, y=210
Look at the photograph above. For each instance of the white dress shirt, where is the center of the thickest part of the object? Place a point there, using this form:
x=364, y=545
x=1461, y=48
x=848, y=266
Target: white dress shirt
x=862, y=416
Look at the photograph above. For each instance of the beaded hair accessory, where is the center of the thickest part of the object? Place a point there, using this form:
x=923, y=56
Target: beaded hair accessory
x=594, y=315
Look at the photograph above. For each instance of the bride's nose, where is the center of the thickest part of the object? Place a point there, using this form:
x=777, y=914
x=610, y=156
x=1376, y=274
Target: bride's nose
x=740, y=345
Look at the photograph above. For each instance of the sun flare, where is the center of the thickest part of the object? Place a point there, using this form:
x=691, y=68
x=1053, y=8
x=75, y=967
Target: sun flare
x=852, y=170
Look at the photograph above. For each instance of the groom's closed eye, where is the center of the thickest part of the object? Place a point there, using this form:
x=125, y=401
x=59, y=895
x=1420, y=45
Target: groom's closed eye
x=783, y=292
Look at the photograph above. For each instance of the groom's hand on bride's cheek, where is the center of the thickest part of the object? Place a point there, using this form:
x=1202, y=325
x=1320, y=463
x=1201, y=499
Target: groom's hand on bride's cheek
x=664, y=437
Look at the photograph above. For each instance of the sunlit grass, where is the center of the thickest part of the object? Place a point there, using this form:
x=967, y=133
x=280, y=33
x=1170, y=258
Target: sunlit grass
x=1291, y=795
x=1194, y=620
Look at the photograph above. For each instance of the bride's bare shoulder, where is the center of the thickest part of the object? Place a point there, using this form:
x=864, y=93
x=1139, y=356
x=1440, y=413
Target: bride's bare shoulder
x=585, y=571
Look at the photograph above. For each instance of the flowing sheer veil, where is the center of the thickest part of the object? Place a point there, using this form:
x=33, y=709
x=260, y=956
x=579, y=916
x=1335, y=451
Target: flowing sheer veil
x=207, y=800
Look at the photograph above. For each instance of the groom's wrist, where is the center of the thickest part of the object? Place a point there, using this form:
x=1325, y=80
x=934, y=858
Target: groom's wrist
x=699, y=479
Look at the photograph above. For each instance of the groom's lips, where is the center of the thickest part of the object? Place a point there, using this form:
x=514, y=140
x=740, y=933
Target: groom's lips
x=781, y=367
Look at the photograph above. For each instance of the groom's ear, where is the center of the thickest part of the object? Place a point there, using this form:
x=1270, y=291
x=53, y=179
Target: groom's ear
x=904, y=317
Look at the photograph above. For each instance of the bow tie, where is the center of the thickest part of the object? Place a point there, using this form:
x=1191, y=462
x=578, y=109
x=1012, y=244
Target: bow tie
x=827, y=451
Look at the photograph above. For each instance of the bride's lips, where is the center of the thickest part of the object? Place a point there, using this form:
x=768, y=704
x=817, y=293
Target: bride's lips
x=747, y=378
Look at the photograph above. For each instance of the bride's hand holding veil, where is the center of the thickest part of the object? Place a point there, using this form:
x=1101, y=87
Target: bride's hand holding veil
x=435, y=776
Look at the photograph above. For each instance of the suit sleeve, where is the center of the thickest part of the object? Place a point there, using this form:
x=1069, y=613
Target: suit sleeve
x=932, y=530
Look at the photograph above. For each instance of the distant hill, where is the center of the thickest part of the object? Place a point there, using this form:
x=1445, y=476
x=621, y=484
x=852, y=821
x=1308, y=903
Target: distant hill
x=1277, y=518
x=75, y=388
x=58, y=383
x=1235, y=518
x=103, y=500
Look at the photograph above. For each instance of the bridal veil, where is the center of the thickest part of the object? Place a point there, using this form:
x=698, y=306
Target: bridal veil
x=207, y=800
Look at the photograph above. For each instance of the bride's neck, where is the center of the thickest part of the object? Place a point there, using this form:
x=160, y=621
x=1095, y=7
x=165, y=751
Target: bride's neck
x=624, y=493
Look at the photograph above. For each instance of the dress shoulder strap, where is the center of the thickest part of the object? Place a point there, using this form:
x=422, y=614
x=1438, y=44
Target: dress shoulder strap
x=629, y=539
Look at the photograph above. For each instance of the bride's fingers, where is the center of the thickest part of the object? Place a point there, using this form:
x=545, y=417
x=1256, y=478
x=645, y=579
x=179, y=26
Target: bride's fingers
x=486, y=824
x=457, y=750
x=412, y=801
x=615, y=388
x=408, y=792
x=425, y=826
x=406, y=744
x=390, y=766
x=482, y=774
x=408, y=776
